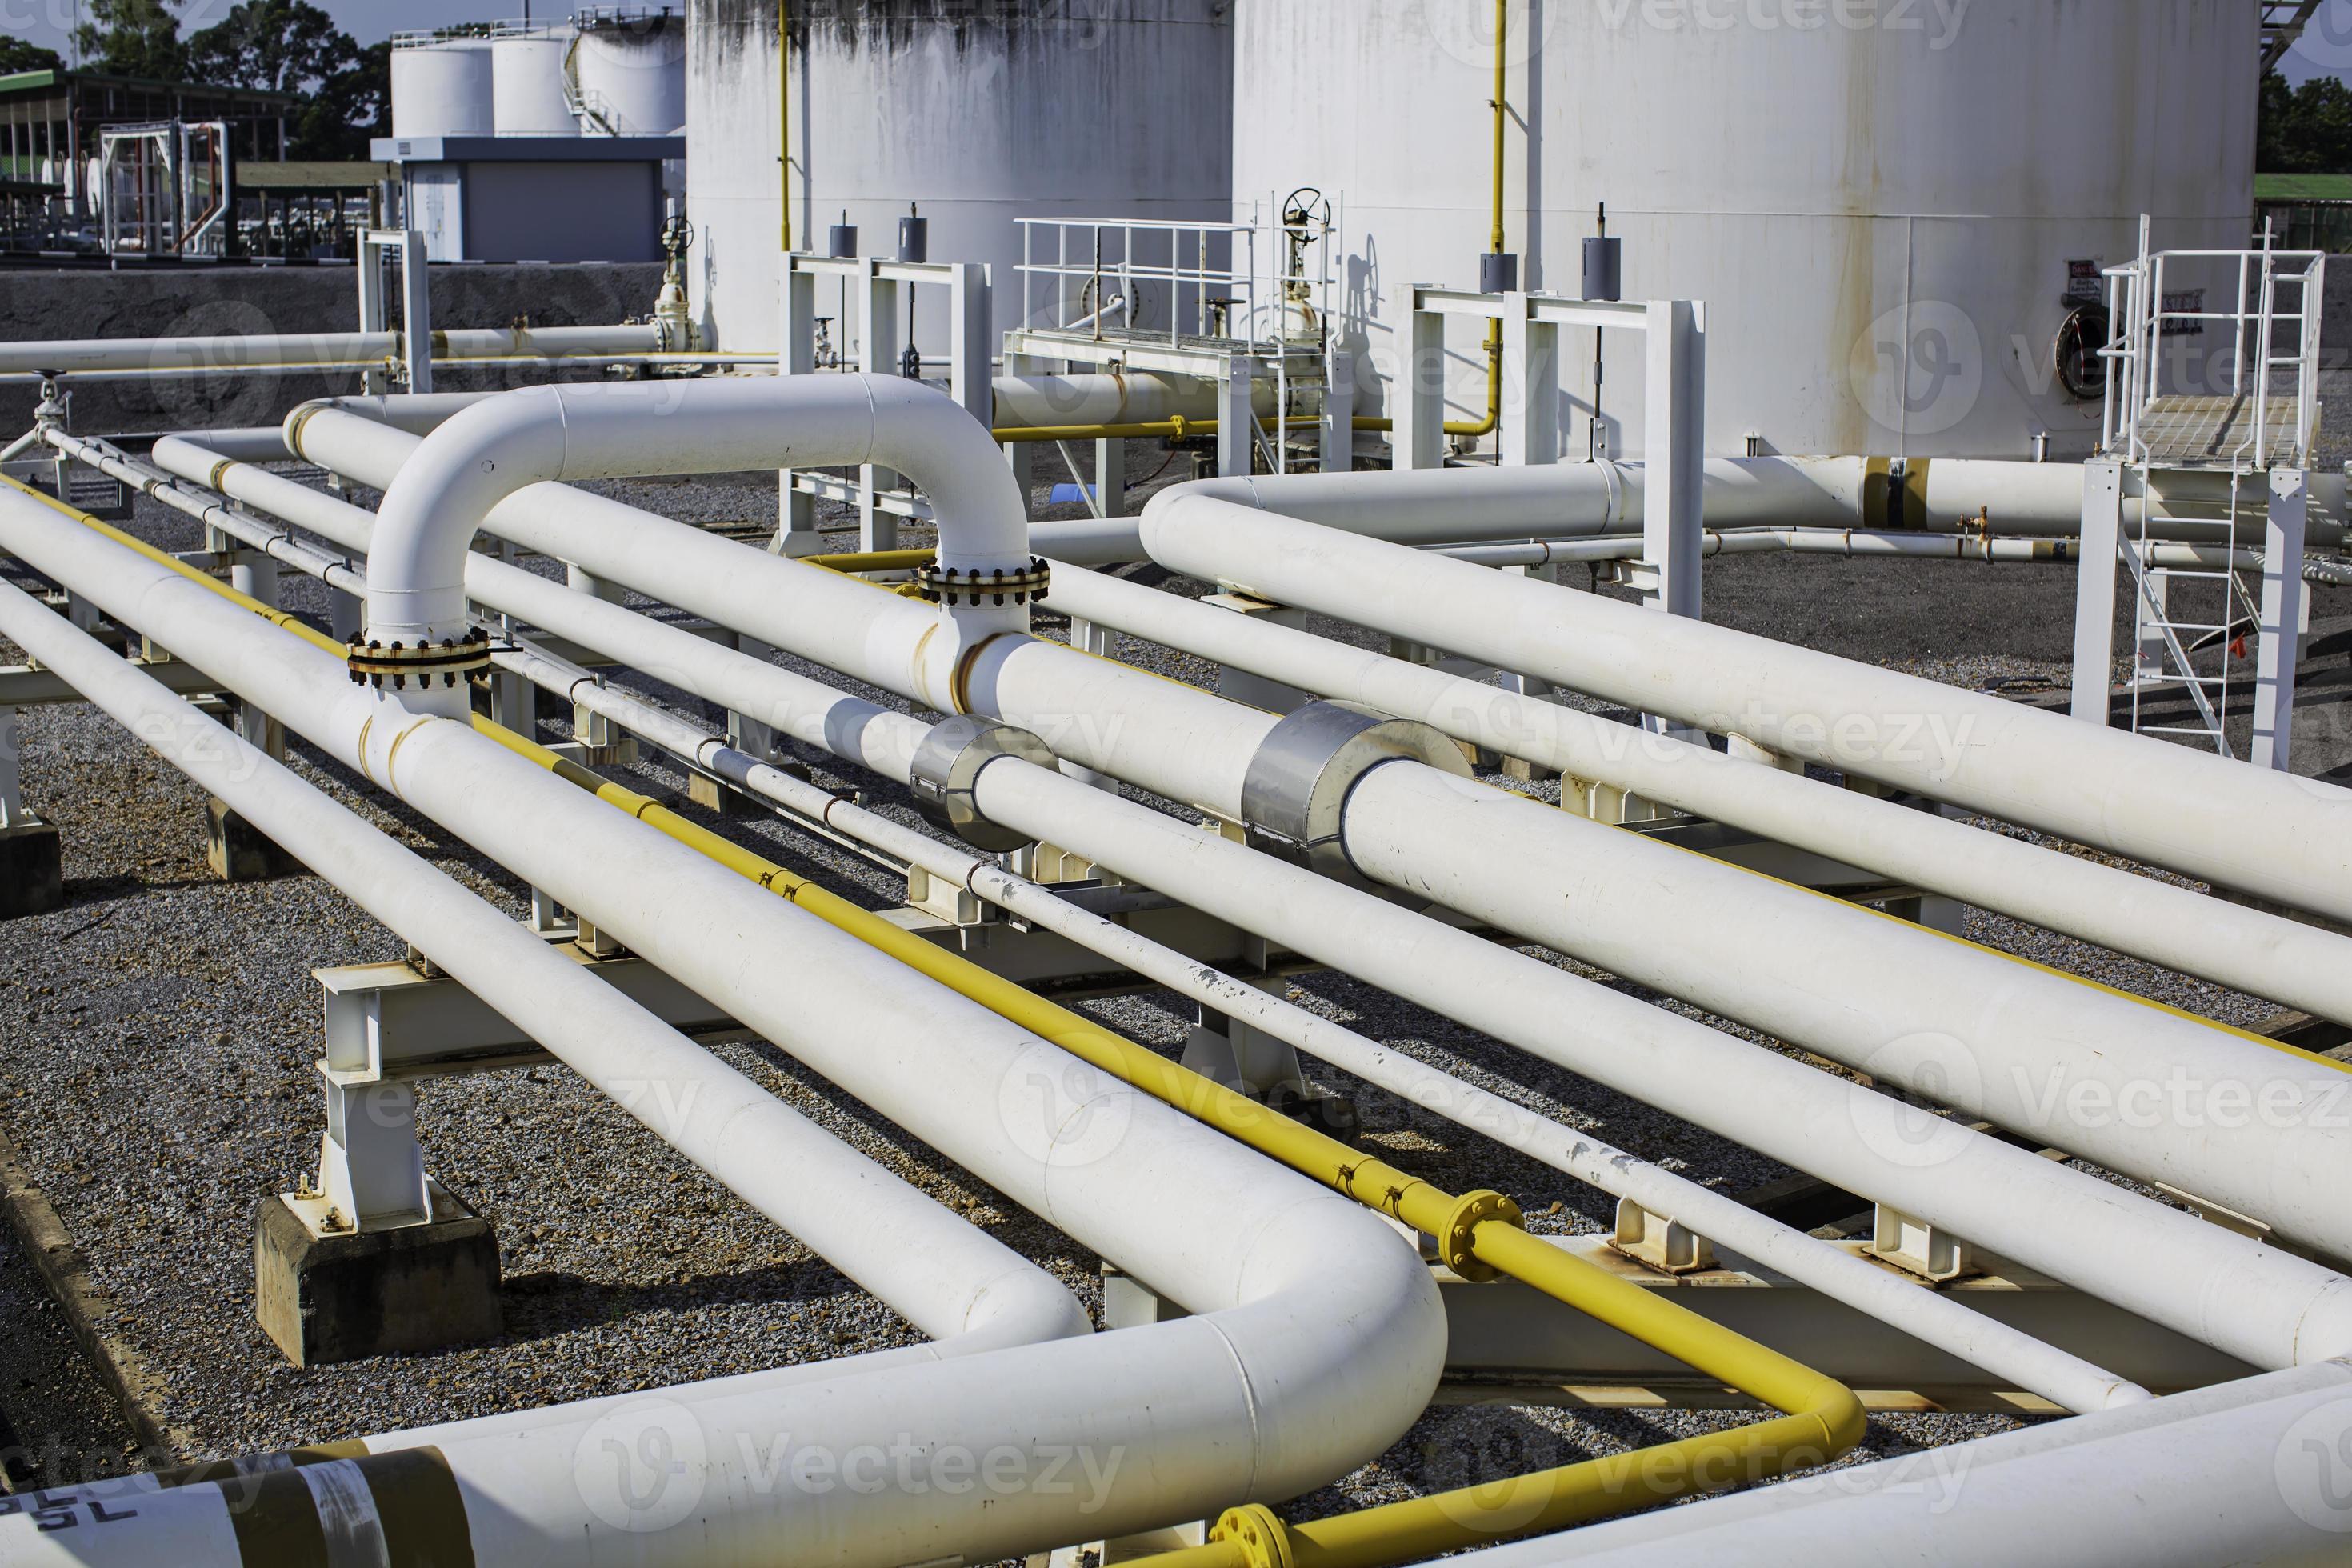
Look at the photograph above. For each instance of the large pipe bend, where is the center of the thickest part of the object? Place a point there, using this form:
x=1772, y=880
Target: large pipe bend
x=486, y=452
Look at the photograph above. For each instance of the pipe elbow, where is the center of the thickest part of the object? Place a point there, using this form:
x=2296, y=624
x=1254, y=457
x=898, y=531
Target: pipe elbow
x=416, y=562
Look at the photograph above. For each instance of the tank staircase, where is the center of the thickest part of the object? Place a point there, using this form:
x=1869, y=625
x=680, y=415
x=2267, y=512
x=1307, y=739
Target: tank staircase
x=2283, y=23
x=2199, y=432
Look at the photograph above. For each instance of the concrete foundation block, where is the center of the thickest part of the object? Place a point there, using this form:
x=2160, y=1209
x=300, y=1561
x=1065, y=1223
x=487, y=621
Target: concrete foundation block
x=32, y=869
x=238, y=852
x=711, y=795
x=343, y=1295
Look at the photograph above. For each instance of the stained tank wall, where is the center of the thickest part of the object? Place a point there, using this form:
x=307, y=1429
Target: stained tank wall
x=978, y=110
x=634, y=76
x=1837, y=182
x=526, y=85
x=443, y=89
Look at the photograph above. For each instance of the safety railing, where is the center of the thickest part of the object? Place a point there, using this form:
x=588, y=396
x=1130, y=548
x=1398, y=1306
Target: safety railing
x=1243, y=285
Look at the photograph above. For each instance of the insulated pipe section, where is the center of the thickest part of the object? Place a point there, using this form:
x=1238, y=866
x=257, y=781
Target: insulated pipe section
x=2248, y=1473
x=2285, y=838
x=1321, y=1336
x=2255, y=1302
x=1584, y=501
x=2265, y=956
x=486, y=453
x=1297, y=785
x=1936, y=1319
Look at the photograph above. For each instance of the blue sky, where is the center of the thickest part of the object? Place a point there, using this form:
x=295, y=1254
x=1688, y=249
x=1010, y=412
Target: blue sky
x=49, y=21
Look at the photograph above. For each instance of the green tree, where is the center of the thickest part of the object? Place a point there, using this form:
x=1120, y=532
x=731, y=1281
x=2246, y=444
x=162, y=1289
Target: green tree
x=17, y=55
x=349, y=109
x=2305, y=130
x=292, y=45
x=133, y=37
x=274, y=46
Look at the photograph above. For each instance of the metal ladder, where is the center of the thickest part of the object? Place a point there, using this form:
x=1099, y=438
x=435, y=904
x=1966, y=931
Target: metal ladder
x=2181, y=612
x=2266, y=418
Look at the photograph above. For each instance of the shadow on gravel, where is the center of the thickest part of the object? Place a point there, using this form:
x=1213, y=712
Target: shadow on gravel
x=551, y=1302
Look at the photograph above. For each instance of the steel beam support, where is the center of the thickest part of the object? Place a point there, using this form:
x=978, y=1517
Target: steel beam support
x=1509, y=1344
x=2283, y=609
x=1237, y=419
x=1417, y=395
x=11, y=768
x=1339, y=431
x=2095, y=590
x=1530, y=422
x=878, y=355
x=796, y=532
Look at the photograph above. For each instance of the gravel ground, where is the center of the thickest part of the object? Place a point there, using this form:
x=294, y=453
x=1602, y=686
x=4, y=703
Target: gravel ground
x=159, y=1031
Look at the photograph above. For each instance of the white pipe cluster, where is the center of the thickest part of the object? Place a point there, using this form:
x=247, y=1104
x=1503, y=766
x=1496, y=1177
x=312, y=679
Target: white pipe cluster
x=1319, y=1336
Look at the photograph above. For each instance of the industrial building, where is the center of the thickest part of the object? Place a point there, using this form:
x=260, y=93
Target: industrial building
x=1262, y=782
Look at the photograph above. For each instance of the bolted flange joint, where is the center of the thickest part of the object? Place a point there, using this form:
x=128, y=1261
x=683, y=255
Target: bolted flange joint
x=1021, y=586
x=947, y=765
x=1262, y=1540
x=1296, y=791
x=1457, y=1243
x=447, y=662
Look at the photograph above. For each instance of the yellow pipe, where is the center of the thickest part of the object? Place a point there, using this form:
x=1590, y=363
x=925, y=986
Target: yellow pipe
x=278, y=618
x=874, y=560
x=785, y=113
x=1481, y=1235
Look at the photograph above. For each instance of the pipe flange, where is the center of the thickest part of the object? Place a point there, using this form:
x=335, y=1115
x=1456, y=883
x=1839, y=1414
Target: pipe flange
x=448, y=661
x=1296, y=790
x=1022, y=585
x=1456, y=1242
x=1262, y=1538
x=947, y=765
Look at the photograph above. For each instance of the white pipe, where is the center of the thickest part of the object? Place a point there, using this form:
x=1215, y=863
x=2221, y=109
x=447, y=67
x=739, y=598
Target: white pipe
x=2286, y=838
x=1095, y=719
x=886, y=741
x=2263, y=955
x=2247, y=1473
x=1321, y=1335
x=1102, y=715
x=942, y=1274
x=268, y=350
x=2145, y=1092
x=1854, y=543
x=1938, y=1320
x=2161, y=1263
x=2005, y=1061
x=489, y=452
x=1479, y=505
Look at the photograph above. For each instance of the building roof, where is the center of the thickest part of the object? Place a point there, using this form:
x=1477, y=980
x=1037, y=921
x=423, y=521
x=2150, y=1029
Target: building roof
x=43, y=80
x=2302, y=187
x=298, y=175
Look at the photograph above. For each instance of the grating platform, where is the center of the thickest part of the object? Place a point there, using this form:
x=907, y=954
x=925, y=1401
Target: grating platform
x=2181, y=432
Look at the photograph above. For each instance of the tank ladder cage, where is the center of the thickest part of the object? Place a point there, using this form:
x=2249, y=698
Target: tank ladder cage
x=2245, y=415
x=1229, y=288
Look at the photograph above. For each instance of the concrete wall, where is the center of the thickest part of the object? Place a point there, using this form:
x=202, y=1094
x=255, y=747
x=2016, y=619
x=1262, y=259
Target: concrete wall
x=227, y=301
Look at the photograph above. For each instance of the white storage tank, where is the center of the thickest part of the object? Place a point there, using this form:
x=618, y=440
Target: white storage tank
x=631, y=66
x=1885, y=203
x=527, y=67
x=441, y=86
x=978, y=113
